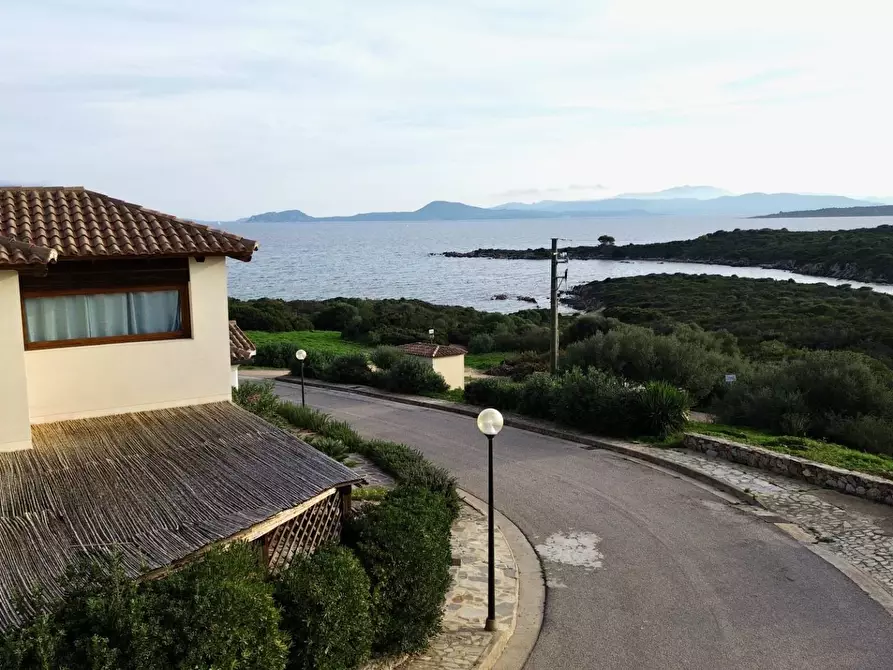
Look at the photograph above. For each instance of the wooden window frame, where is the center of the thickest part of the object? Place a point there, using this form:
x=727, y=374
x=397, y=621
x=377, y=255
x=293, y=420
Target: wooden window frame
x=185, y=331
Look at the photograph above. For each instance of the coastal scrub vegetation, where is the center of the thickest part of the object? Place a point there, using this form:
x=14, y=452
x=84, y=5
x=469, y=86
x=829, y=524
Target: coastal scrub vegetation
x=767, y=317
x=862, y=254
x=375, y=322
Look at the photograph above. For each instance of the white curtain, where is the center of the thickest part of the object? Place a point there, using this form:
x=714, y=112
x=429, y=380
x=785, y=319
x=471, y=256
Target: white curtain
x=73, y=317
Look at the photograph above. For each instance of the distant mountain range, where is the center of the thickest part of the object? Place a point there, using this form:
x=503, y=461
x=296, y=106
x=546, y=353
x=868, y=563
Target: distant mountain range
x=681, y=200
x=439, y=210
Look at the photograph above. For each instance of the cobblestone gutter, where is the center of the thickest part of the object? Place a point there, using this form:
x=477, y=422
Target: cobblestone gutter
x=845, y=481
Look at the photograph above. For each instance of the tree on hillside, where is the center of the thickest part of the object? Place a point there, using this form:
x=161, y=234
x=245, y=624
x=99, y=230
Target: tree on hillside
x=606, y=241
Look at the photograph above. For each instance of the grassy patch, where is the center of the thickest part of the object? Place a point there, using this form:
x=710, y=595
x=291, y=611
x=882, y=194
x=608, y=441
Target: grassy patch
x=328, y=341
x=453, y=395
x=487, y=361
x=814, y=450
x=376, y=493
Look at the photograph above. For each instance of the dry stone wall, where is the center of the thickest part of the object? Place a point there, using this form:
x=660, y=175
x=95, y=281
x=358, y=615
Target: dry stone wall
x=845, y=481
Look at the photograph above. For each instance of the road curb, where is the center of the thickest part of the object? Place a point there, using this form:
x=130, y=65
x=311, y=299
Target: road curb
x=514, y=421
x=510, y=650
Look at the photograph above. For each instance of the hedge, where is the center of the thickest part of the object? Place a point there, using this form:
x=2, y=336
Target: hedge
x=593, y=401
x=404, y=544
x=325, y=600
x=398, y=373
x=218, y=612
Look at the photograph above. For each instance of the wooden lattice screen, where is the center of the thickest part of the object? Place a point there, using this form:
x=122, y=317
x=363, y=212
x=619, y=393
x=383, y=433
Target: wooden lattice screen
x=303, y=534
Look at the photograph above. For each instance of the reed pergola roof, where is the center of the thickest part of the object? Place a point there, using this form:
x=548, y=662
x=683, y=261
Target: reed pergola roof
x=155, y=486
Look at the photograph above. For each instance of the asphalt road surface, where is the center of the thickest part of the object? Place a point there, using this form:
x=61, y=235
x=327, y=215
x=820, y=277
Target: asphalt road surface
x=645, y=569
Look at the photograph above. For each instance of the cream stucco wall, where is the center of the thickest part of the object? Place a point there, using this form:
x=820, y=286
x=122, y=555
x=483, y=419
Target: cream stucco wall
x=453, y=370
x=15, y=427
x=74, y=382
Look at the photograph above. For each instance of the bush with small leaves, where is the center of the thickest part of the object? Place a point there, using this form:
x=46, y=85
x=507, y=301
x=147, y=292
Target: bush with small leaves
x=220, y=613
x=480, y=344
x=275, y=355
x=498, y=393
x=538, y=395
x=325, y=602
x=385, y=357
x=410, y=375
x=332, y=448
x=303, y=417
x=259, y=398
x=349, y=369
x=404, y=545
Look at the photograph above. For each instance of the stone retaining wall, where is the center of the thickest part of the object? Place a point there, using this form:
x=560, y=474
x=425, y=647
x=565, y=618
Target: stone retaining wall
x=845, y=481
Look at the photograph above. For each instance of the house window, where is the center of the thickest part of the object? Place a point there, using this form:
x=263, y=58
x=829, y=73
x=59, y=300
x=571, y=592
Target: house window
x=106, y=303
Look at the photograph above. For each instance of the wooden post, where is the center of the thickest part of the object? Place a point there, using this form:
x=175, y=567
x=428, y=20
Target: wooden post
x=553, y=321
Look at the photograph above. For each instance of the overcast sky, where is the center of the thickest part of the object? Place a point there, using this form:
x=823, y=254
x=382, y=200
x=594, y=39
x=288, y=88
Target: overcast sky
x=216, y=109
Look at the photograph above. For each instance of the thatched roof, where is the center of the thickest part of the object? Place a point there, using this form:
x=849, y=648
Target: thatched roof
x=156, y=486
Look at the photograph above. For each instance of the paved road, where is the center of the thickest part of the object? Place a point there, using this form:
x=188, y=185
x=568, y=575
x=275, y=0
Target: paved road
x=676, y=576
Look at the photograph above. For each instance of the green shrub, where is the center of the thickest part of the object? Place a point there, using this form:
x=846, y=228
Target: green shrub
x=585, y=326
x=690, y=360
x=410, y=375
x=325, y=603
x=332, y=448
x=341, y=431
x=662, y=410
x=538, y=395
x=597, y=402
x=275, y=355
x=500, y=394
x=259, y=398
x=404, y=545
x=220, y=613
x=842, y=396
x=336, y=316
x=316, y=365
x=303, y=417
x=870, y=433
x=409, y=467
x=37, y=645
x=385, y=357
x=349, y=369
x=480, y=344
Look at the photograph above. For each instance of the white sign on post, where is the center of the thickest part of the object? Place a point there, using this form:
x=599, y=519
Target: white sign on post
x=731, y=379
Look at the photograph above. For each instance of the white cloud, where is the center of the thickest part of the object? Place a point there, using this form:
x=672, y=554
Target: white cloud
x=220, y=109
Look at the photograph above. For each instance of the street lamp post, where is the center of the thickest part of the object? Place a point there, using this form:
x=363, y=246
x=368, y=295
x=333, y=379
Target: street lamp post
x=490, y=423
x=300, y=354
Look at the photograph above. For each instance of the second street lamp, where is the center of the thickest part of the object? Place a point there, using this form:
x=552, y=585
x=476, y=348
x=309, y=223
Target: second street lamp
x=490, y=423
x=300, y=354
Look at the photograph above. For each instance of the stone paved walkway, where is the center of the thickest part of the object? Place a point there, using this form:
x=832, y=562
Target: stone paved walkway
x=858, y=530
x=463, y=644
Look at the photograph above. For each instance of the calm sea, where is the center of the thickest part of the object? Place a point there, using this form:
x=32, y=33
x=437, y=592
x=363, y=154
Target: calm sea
x=391, y=259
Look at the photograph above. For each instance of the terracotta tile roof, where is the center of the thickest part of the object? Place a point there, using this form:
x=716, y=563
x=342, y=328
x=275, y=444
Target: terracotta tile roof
x=156, y=485
x=429, y=350
x=14, y=253
x=77, y=223
x=241, y=348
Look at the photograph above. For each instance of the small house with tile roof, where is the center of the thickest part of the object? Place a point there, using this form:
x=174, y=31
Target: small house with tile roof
x=447, y=359
x=117, y=432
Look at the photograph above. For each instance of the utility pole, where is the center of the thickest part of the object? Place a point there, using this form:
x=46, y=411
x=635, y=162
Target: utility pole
x=553, y=294
x=553, y=321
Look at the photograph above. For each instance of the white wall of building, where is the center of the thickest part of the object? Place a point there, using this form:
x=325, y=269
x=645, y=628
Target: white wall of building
x=73, y=382
x=15, y=426
x=453, y=370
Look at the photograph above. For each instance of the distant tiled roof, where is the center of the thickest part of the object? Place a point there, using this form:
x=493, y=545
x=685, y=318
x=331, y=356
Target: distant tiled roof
x=80, y=224
x=429, y=350
x=156, y=486
x=241, y=348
